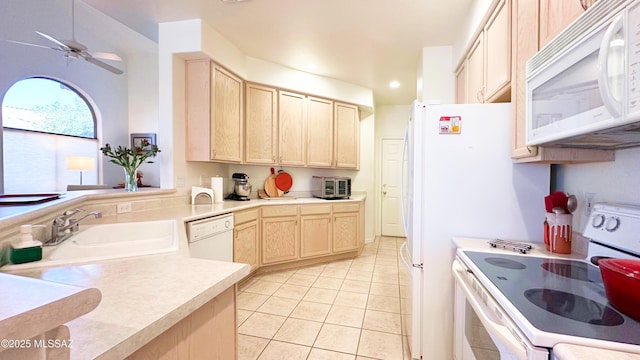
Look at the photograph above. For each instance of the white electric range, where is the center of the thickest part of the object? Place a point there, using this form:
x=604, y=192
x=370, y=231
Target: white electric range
x=519, y=306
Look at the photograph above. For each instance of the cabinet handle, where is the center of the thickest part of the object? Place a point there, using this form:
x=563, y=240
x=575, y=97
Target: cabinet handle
x=213, y=153
x=235, y=233
x=280, y=160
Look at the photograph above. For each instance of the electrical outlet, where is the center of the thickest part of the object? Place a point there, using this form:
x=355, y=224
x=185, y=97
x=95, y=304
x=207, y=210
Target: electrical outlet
x=123, y=208
x=588, y=203
x=180, y=181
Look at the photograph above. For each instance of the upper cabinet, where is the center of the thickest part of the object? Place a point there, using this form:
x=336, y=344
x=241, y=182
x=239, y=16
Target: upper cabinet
x=555, y=16
x=214, y=113
x=230, y=121
x=485, y=72
x=536, y=22
x=320, y=132
x=261, y=125
x=347, y=135
x=291, y=120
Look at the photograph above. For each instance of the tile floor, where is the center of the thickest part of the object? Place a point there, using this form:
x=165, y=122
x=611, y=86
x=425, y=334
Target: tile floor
x=348, y=309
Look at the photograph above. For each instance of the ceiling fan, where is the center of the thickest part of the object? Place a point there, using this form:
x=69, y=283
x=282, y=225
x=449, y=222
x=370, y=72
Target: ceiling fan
x=73, y=49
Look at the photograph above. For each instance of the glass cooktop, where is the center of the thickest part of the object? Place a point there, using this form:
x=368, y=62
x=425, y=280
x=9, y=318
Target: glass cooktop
x=557, y=295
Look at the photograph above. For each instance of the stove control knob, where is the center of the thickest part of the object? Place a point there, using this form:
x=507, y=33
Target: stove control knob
x=598, y=221
x=613, y=223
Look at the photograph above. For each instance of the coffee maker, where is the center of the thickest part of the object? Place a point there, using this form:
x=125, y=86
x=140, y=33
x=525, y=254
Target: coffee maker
x=241, y=188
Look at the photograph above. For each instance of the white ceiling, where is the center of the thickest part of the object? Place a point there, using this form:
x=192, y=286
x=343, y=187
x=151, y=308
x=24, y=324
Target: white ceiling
x=364, y=42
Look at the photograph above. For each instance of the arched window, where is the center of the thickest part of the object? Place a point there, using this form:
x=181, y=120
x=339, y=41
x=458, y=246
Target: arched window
x=49, y=106
x=45, y=122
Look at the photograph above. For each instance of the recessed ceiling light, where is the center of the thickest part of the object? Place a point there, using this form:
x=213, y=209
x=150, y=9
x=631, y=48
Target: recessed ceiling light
x=312, y=66
x=232, y=1
x=394, y=84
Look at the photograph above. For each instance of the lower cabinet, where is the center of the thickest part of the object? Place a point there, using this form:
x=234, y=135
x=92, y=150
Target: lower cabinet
x=315, y=230
x=246, y=238
x=207, y=333
x=346, y=227
x=286, y=233
x=280, y=235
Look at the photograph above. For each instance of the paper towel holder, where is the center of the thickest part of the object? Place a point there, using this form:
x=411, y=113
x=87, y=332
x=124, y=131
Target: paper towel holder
x=196, y=191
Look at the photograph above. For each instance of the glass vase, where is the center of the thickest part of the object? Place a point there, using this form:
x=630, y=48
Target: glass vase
x=130, y=179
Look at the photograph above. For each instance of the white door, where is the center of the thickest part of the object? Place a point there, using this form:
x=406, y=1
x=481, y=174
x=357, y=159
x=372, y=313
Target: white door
x=391, y=178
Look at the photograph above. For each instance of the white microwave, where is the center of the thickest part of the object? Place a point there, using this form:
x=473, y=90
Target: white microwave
x=583, y=88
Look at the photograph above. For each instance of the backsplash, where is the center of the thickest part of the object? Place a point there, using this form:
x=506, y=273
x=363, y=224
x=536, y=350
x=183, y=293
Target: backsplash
x=616, y=181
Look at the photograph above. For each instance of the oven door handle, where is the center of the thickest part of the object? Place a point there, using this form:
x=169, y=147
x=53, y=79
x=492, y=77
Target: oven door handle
x=501, y=334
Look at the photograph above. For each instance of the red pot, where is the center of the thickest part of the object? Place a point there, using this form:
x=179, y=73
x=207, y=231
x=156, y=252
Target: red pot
x=621, y=279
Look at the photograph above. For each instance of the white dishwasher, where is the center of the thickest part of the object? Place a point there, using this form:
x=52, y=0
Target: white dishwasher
x=211, y=238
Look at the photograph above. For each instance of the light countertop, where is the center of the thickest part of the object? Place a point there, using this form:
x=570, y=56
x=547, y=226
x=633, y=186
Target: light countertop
x=141, y=296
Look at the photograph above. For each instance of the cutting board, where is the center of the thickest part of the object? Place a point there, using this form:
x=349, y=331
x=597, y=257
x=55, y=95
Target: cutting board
x=270, y=186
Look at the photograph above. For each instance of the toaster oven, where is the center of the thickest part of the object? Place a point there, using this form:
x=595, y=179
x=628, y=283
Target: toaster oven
x=331, y=187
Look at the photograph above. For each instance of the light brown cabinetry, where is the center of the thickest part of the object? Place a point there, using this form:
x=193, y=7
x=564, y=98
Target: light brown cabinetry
x=315, y=230
x=319, y=132
x=346, y=227
x=347, y=136
x=214, y=99
x=527, y=18
x=555, y=16
x=485, y=72
x=207, y=333
x=292, y=113
x=280, y=234
x=497, y=61
x=461, y=84
x=475, y=68
x=246, y=238
x=261, y=125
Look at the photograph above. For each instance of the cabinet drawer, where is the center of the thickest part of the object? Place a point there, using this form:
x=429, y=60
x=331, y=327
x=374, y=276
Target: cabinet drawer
x=340, y=208
x=315, y=209
x=271, y=211
x=242, y=217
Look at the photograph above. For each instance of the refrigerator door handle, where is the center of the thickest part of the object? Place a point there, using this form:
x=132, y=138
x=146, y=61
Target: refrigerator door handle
x=402, y=209
x=408, y=264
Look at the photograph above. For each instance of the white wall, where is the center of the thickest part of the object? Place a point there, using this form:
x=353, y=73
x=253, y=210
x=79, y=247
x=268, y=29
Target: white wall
x=616, y=181
x=109, y=93
x=438, y=78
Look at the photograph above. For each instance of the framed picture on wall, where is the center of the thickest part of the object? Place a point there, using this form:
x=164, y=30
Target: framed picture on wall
x=138, y=139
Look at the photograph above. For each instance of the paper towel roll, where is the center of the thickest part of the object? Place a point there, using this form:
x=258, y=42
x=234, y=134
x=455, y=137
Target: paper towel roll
x=216, y=186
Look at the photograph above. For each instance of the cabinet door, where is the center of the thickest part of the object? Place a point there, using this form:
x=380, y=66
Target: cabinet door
x=497, y=64
x=461, y=84
x=315, y=235
x=226, y=108
x=261, y=125
x=346, y=232
x=347, y=136
x=475, y=71
x=292, y=112
x=280, y=239
x=555, y=16
x=525, y=45
x=319, y=132
x=245, y=244
x=198, y=114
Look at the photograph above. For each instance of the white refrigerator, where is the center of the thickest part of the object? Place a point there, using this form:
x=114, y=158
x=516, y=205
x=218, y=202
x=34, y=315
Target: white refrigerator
x=460, y=181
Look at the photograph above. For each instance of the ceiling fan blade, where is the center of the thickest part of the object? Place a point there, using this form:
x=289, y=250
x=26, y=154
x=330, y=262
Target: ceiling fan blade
x=29, y=44
x=105, y=66
x=50, y=38
x=106, y=56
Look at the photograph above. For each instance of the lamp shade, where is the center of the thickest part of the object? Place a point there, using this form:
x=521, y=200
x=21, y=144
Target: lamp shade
x=82, y=163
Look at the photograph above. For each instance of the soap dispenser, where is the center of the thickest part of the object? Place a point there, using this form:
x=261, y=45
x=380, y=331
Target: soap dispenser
x=27, y=250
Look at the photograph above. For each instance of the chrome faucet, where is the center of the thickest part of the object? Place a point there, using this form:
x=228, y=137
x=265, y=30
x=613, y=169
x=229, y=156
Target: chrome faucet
x=63, y=226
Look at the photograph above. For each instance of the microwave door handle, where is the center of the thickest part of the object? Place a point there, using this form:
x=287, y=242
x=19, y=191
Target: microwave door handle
x=500, y=334
x=611, y=104
x=404, y=153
